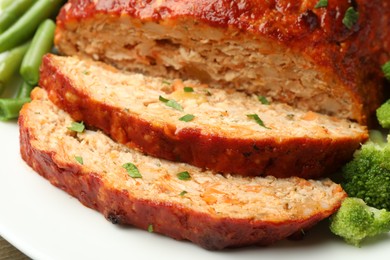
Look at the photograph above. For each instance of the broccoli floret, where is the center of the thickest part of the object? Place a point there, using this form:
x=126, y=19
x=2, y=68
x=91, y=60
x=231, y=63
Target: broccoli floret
x=367, y=176
x=383, y=114
x=355, y=221
x=386, y=70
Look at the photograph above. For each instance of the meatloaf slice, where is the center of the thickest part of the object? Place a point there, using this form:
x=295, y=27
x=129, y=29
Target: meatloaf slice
x=288, y=50
x=174, y=199
x=186, y=121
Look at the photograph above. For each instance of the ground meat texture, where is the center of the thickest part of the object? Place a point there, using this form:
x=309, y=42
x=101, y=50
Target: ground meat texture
x=254, y=211
x=231, y=132
x=288, y=50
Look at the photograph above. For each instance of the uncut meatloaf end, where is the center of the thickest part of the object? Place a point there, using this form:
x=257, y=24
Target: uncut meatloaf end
x=287, y=50
x=385, y=32
x=281, y=141
x=89, y=166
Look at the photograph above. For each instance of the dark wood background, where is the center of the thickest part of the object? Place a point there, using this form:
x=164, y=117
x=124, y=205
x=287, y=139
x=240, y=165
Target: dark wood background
x=9, y=252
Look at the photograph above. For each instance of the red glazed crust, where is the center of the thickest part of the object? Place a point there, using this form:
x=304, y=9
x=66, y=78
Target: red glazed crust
x=352, y=55
x=97, y=191
x=385, y=57
x=181, y=224
x=303, y=155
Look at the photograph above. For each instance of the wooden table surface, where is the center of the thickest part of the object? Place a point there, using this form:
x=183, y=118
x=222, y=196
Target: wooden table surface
x=9, y=252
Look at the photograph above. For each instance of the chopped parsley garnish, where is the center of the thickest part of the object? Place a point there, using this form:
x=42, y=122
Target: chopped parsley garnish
x=188, y=89
x=150, y=228
x=257, y=119
x=187, y=118
x=132, y=170
x=162, y=99
x=184, y=176
x=351, y=16
x=386, y=70
x=86, y=72
x=263, y=100
x=290, y=116
x=183, y=193
x=171, y=103
x=208, y=93
x=321, y=3
x=79, y=159
x=166, y=82
x=77, y=127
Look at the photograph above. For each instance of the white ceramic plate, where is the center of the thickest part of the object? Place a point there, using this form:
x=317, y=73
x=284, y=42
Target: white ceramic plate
x=46, y=223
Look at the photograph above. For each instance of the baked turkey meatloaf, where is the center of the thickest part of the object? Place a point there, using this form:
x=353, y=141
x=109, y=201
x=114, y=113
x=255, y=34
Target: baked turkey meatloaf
x=285, y=49
x=174, y=199
x=225, y=131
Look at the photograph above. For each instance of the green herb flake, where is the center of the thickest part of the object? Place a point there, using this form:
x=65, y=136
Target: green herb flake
x=351, y=16
x=263, y=100
x=132, y=170
x=290, y=116
x=162, y=99
x=386, y=70
x=86, y=72
x=188, y=89
x=184, y=176
x=166, y=82
x=183, y=193
x=150, y=228
x=77, y=127
x=79, y=159
x=208, y=93
x=171, y=103
x=257, y=119
x=187, y=118
x=321, y=3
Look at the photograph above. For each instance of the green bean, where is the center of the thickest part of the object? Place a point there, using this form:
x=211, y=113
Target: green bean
x=10, y=107
x=24, y=90
x=12, y=13
x=24, y=28
x=41, y=44
x=5, y=3
x=10, y=63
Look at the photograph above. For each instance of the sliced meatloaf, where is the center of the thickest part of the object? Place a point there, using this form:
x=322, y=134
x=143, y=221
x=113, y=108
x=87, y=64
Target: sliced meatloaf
x=385, y=32
x=226, y=131
x=309, y=57
x=174, y=199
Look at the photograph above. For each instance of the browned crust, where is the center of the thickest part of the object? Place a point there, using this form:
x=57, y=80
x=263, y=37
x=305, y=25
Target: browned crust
x=319, y=34
x=302, y=156
x=385, y=32
x=180, y=223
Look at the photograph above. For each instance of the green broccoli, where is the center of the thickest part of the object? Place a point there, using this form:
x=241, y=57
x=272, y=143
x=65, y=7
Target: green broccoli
x=367, y=176
x=383, y=114
x=386, y=70
x=366, y=179
x=355, y=221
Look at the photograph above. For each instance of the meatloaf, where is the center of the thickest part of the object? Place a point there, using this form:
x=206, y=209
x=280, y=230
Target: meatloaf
x=307, y=56
x=385, y=32
x=225, y=131
x=174, y=199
